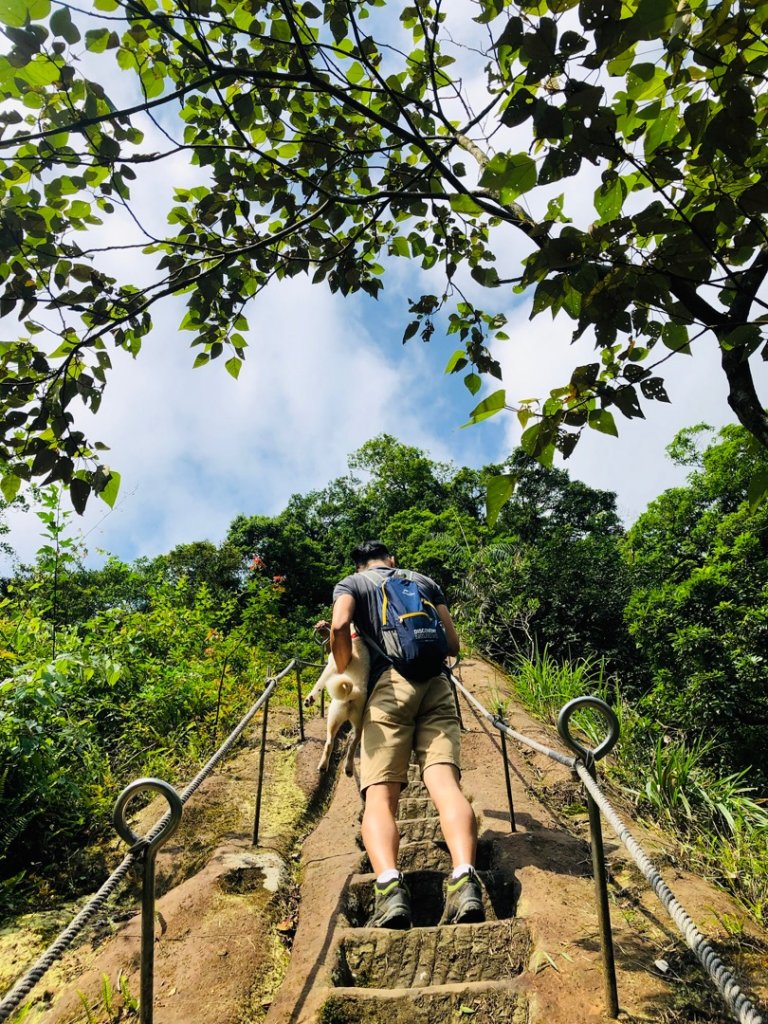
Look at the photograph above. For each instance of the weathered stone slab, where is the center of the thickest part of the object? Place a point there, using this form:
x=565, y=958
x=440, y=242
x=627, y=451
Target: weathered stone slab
x=480, y=1004
x=424, y=957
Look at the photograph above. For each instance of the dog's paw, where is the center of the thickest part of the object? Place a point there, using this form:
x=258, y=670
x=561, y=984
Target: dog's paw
x=322, y=767
x=349, y=770
x=309, y=701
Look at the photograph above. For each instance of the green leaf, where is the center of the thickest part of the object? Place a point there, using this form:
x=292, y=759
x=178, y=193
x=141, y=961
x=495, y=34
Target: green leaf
x=602, y=420
x=96, y=39
x=79, y=490
x=281, y=30
x=609, y=199
x=644, y=81
x=653, y=388
x=62, y=25
x=109, y=492
x=747, y=336
x=663, y=129
x=509, y=175
x=457, y=361
x=486, y=276
x=9, y=485
x=758, y=489
x=399, y=246
x=488, y=407
x=473, y=383
x=625, y=398
x=410, y=330
x=675, y=336
x=16, y=12
x=651, y=19
x=40, y=71
x=537, y=441
x=233, y=366
x=464, y=204
x=499, y=490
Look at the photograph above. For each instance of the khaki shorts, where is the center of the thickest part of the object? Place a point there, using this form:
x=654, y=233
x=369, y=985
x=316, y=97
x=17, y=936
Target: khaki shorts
x=401, y=717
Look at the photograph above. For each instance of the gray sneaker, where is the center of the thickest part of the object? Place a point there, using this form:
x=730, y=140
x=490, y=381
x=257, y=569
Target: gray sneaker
x=392, y=906
x=464, y=900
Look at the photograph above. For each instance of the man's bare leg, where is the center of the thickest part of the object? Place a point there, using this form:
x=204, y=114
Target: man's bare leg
x=457, y=819
x=380, y=833
x=464, y=900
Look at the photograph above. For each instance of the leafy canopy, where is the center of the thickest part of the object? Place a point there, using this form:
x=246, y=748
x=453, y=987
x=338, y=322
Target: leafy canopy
x=334, y=137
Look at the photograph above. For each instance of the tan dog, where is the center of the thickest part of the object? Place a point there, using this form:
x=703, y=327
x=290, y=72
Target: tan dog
x=348, y=690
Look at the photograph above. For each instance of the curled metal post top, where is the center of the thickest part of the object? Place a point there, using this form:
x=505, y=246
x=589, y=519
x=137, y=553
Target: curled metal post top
x=612, y=722
x=321, y=635
x=151, y=841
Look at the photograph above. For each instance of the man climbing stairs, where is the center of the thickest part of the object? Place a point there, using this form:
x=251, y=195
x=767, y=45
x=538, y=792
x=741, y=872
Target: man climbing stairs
x=433, y=970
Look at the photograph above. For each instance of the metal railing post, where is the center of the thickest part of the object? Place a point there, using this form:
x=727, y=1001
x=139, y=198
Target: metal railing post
x=456, y=700
x=301, y=703
x=589, y=757
x=601, y=900
x=147, y=850
x=260, y=784
x=508, y=780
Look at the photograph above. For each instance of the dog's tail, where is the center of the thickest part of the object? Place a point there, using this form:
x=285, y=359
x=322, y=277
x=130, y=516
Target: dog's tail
x=341, y=687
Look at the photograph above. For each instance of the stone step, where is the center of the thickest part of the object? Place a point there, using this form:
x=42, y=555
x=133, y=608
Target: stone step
x=433, y=856
x=479, y=1003
x=425, y=957
x=500, y=894
x=415, y=830
x=420, y=830
x=415, y=807
x=415, y=790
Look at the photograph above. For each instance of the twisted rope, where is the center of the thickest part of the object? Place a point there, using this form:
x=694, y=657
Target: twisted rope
x=500, y=724
x=65, y=939
x=743, y=1009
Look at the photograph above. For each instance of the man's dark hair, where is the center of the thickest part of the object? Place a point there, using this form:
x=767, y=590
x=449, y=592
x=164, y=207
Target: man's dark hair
x=368, y=551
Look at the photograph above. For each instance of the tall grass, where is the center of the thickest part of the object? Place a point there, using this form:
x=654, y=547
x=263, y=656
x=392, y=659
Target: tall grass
x=544, y=685
x=723, y=825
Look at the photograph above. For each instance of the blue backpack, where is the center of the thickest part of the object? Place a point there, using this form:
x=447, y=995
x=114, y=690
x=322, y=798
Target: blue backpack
x=412, y=636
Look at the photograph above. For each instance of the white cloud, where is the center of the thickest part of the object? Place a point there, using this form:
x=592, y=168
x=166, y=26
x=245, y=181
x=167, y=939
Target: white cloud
x=195, y=447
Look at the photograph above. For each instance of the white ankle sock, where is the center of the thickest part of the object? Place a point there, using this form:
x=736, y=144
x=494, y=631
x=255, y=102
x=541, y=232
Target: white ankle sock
x=387, y=876
x=462, y=869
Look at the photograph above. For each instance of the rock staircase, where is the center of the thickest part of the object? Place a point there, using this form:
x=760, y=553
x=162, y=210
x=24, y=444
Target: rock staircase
x=433, y=971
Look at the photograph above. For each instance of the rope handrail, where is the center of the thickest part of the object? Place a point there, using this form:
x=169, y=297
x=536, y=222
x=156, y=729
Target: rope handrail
x=744, y=1010
x=24, y=985
x=737, y=1002
x=499, y=723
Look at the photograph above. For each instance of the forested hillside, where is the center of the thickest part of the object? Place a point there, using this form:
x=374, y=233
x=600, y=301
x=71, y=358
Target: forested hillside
x=136, y=669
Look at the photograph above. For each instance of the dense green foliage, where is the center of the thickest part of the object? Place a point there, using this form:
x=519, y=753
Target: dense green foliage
x=331, y=138
x=129, y=669
x=699, y=606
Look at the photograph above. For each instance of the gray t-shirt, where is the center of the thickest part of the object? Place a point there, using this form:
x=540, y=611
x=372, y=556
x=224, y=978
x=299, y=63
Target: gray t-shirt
x=367, y=618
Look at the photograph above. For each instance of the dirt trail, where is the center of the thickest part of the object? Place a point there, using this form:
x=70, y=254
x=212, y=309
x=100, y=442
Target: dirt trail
x=536, y=960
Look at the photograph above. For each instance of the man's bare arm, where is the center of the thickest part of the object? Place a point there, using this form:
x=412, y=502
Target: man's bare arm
x=341, y=635
x=450, y=630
